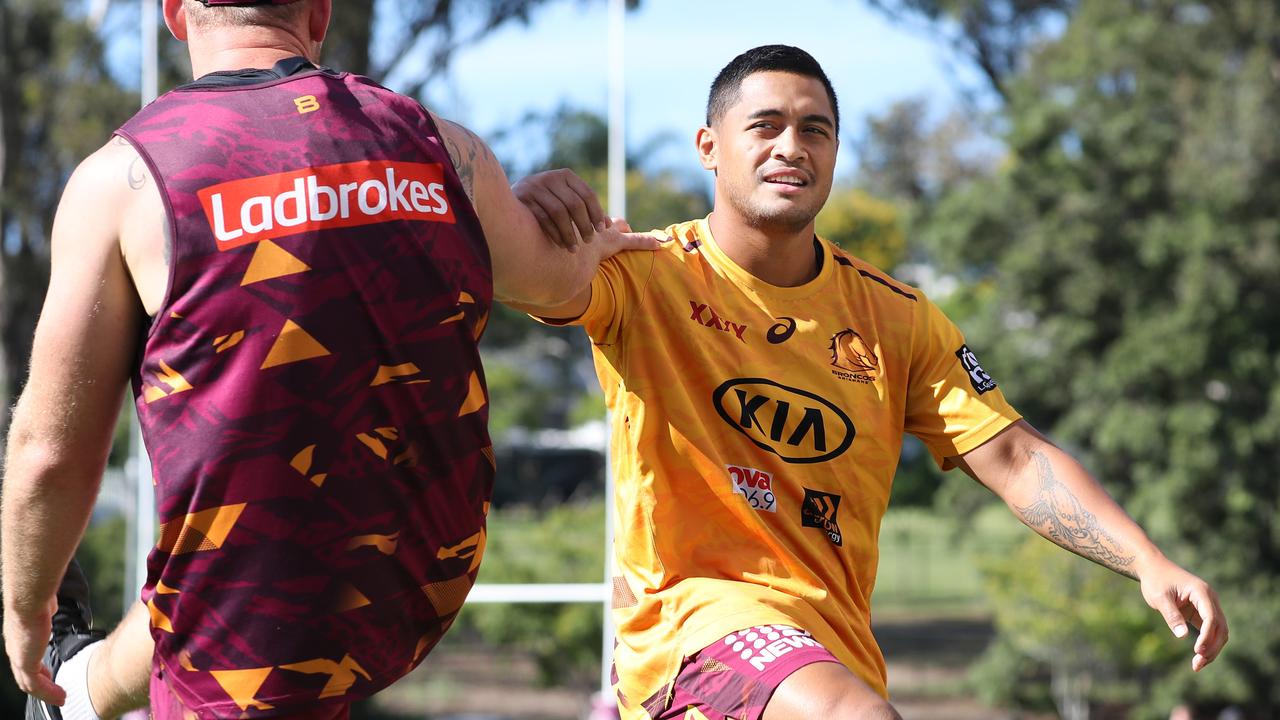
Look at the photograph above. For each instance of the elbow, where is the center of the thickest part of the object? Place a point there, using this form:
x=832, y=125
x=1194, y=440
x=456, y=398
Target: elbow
x=36, y=468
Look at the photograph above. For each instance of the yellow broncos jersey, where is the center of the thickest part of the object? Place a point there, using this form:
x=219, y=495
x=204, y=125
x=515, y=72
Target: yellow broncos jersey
x=756, y=431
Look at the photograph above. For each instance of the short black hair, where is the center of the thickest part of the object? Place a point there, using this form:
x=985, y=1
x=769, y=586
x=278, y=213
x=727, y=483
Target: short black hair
x=766, y=58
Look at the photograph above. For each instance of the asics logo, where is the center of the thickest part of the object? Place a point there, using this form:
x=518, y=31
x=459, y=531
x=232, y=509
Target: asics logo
x=332, y=196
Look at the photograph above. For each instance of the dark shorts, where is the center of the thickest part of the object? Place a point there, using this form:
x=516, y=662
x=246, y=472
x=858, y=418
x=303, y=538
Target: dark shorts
x=166, y=706
x=733, y=678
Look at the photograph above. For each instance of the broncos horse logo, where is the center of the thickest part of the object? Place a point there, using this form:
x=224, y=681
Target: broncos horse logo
x=850, y=352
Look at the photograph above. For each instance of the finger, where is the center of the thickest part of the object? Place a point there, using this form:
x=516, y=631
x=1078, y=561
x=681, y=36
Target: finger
x=594, y=212
x=638, y=241
x=559, y=216
x=544, y=221
x=577, y=209
x=620, y=224
x=40, y=685
x=1213, y=632
x=1167, y=606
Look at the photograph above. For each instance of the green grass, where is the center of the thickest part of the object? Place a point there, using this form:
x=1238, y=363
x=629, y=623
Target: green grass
x=930, y=566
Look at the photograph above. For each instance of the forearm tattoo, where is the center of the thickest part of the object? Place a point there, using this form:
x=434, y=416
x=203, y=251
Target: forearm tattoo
x=1058, y=515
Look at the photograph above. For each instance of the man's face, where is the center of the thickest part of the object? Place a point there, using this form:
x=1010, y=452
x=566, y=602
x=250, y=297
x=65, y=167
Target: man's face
x=774, y=151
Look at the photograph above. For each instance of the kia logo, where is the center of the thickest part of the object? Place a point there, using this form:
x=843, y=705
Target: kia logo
x=796, y=425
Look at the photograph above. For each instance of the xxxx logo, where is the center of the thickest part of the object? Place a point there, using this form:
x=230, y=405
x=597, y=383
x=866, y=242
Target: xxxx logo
x=705, y=315
x=796, y=425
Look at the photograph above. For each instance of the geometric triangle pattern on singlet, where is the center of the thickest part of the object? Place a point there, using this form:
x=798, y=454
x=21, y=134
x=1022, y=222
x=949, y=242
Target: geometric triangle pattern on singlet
x=272, y=261
x=242, y=685
x=342, y=675
x=292, y=345
x=199, y=531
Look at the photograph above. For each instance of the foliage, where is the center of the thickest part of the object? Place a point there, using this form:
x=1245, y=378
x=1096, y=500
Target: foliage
x=1123, y=263
x=1112, y=643
x=101, y=556
x=863, y=225
x=565, y=544
x=993, y=34
x=57, y=104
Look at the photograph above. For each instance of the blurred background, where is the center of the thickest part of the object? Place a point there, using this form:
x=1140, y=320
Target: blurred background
x=1088, y=187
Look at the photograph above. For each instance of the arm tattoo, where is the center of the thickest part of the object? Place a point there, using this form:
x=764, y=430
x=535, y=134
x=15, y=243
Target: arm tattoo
x=137, y=173
x=465, y=155
x=168, y=243
x=1058, y=515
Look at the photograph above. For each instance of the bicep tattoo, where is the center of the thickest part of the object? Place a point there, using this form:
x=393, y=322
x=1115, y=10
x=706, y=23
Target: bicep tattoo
x=466, y=150
x=1058, y=515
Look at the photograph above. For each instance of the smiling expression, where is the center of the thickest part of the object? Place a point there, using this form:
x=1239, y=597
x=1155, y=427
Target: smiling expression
x=773, y=151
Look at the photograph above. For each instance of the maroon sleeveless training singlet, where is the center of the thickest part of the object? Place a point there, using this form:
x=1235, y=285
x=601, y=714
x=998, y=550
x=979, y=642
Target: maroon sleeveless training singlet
x=310, y=392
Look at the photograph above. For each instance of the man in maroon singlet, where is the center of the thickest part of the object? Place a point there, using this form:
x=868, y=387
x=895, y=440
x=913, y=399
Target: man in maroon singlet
x=294, y=266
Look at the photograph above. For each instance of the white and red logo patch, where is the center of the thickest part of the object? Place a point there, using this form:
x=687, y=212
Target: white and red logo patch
x=754, y=485
x=763, y=644
x=331, y=196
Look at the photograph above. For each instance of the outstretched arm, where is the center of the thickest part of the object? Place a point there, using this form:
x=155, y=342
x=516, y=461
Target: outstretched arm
x=64, y=422
x=529, y=267
x=1055, y=496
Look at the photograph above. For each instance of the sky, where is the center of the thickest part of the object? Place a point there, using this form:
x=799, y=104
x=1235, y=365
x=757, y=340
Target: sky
x=673, y=50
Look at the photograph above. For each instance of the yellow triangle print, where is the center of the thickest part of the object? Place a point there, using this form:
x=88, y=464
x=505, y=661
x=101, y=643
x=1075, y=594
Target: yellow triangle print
x=271, y=261
x=302, y=461
x=159, y=620
x=351, y=598
x=200, y=531
x=694, y=714
x=447, y=596
x=341, y=675
x=242, y=685
x=292, y=345
x=475, y=397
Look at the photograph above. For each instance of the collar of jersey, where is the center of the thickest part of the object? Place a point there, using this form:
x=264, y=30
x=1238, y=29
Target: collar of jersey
x=740, y=277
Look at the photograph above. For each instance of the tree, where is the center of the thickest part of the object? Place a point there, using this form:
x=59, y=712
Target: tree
x=1126, y=256
x=57, y=104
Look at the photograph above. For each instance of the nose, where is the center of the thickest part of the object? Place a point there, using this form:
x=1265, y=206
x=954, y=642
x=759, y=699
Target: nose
x=787, y=145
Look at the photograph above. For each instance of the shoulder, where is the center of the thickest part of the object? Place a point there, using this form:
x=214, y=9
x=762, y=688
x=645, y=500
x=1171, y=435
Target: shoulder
x=471, y=157
x=861, y=271
x=105, y=178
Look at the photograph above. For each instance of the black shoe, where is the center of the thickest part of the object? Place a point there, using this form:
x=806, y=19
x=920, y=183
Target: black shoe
x=71, y=633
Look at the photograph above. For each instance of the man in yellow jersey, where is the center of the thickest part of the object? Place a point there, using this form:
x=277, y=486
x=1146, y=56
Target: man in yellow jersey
x=760, y=382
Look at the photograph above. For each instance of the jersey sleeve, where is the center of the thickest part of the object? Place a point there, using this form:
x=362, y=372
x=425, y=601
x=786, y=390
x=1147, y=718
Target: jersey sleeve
x=616, y=293
x=953, y=405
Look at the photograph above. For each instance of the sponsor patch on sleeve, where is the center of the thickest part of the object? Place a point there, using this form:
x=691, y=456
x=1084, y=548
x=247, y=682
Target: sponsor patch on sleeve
x=982, y=382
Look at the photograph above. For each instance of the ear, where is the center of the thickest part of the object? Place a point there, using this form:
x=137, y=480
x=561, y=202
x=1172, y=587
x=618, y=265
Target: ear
x=707, y=145
x=318, y=24
x=175, y=18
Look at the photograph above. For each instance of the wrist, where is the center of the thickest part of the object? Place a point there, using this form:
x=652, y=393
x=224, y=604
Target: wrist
x=1147, y=561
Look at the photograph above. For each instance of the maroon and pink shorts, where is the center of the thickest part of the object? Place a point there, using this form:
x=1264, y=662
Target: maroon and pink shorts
x=734, y=677
x=165, y=705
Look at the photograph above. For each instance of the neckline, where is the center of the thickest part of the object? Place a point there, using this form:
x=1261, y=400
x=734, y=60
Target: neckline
x=741, y=277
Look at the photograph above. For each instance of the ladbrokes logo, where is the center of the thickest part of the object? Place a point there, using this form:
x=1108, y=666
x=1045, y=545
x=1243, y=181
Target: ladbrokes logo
x=796, y=425
x=819, y=511
x=333, y=196
x=853, y=358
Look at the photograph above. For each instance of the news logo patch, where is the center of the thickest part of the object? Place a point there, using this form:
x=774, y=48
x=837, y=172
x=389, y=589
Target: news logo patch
x=981, y=381
x=755, y=486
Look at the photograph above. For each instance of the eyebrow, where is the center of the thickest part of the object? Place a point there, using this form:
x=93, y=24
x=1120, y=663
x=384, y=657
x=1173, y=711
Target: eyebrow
x=773, y=112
